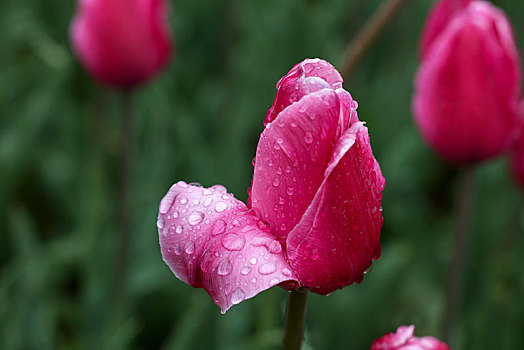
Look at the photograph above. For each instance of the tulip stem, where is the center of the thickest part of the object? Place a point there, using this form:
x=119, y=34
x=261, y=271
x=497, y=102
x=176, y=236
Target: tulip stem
x=360, y=44
x=123, y=195
x=295, y=320
x=456, y=269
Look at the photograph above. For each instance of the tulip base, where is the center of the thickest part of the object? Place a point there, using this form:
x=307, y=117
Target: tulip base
x=295, y=320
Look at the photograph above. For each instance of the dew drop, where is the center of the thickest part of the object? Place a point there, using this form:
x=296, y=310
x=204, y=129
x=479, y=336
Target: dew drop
x=195, y=218
x=276, y=182
x=183, y=200
x=207, y=192
x=289, y=191
x=224, y=268
x=245, y=270
x=175, y=214
x=207, y=202
x=275, y=247
x=178, y=250
x=254, y=280
x=220, y=207
x=286, y=272
x=237, y=296
x=179, y=229
x=253, y=261
x=196, y=202
x=190, y=247
x=274, y=281
x=281, y=200
x=267, y=268
x=220, y=227
x=160, y=222
x=308, y=138
x=233, y=242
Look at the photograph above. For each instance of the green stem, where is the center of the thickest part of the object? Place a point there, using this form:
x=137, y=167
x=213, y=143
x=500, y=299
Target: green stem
x=457, y=264
x=358, y=47
x=295, y=320
x=123, y=196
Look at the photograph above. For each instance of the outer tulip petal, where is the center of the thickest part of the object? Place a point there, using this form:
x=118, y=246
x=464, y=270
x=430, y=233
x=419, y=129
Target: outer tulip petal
x=440, y=16
x=211, y=240
x=338, y=236
x=404, y=339
x=291, y=157
x=306, y=77
x=467, y=91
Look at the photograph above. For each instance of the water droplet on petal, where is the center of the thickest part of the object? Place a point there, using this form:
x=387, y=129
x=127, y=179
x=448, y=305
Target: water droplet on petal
x=254, y=280
x=207, y=202
x=220, y=207
x=308, y=138
x=314, y=254
x=289, y=191
x=286, y=272
x=253, y=261
x=190, y=247
x=160, y=222
x=178, y=250
x=267, y=268
x=275, y=247
x=220, y=227
x=196, y=202
x=195, y=218
x=281, y=200
x=245, y=270
x=233, y=242
x=237, y=296
x=276, y=182
x=224, y=268
x=175, y=214
x=207, y=192
x=183, y=200
x=179, y=229
x=274, y=281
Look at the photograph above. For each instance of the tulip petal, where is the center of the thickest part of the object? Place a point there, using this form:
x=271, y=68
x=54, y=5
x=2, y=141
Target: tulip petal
x=440, y=16
x=291, y=157
x=211, y=240
x=306, y=77
x=338, y=236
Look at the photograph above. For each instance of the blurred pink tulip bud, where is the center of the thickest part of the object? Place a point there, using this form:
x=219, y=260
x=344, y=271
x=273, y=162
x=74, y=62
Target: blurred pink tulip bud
x=404, y=339
x=441, y=14
x=122, y=43
x=314, y=212
x=467, y=89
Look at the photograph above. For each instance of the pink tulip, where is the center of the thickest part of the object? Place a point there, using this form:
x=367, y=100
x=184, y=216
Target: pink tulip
x=404, y=339
x=314, y=213
x=122, y=43
x=467, y=89
x=441, y=14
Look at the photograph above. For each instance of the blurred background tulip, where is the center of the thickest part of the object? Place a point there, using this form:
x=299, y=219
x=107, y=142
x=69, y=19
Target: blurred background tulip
x=468, y=86
x=122, y=43
x=404, y=339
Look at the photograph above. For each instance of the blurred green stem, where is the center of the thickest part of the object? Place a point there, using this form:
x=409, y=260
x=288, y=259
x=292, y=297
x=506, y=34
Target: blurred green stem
x=295, y=320
x=463, y=207
x=358, y=47
x=123, y=195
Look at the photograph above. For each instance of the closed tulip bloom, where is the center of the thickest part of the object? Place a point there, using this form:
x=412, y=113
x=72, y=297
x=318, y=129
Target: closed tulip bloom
x=467, y=88
x=122, y=43
x=314, y=212
x=404, y=339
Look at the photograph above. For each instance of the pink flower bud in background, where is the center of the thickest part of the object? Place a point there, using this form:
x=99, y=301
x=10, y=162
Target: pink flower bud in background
x=122, y=43
x=467, y=89
x=314, y=214
x=404, y=339
x=439, y=17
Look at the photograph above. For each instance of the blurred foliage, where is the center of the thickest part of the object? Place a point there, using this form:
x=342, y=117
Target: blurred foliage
x=200, y=121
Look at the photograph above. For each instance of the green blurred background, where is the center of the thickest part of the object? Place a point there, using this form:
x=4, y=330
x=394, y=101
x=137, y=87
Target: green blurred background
x=200, y=121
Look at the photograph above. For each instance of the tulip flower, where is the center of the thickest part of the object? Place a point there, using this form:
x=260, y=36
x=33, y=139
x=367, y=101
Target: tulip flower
x=467, y=89
x=404, y=339
x=441, y=14
x=122, y=43
x=314, y=213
